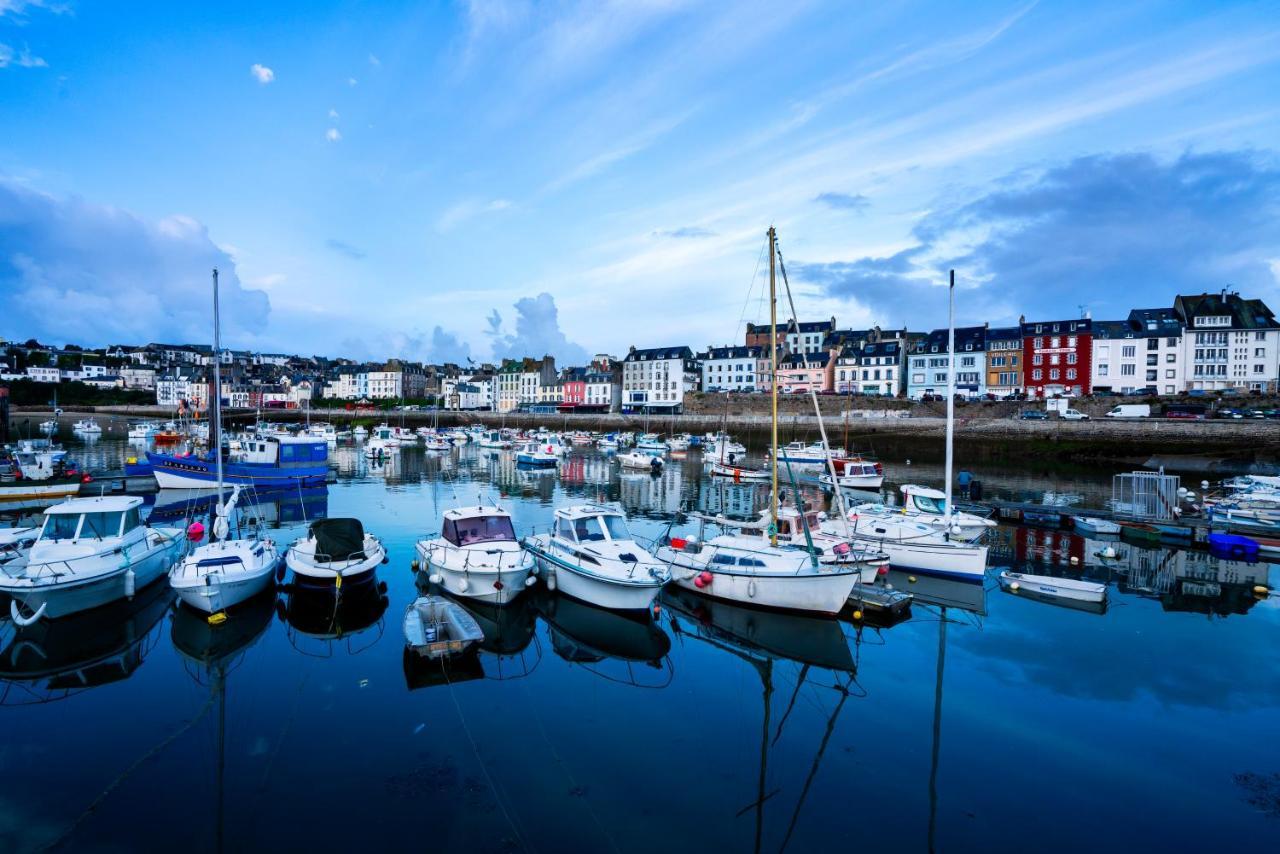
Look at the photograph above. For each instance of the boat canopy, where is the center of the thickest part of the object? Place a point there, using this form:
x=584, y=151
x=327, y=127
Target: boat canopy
x=338, y=539
x=468, y=531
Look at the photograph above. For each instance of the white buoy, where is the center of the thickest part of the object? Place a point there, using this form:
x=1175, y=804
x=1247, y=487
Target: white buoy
x=530, y=581
x=1107, y=552
x=464, y=585
x=551, y=580
x=435, y=578
x=130, y=584
x=1074, y=560
x=1015, y=586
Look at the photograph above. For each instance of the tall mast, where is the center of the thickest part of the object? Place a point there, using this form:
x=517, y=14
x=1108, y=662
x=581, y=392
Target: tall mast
x=773, y=387
x=217, y=388
x=951, y=384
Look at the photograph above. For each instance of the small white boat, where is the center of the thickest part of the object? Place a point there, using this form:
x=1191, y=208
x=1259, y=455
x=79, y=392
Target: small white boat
x=360, y=431
x=48, y=427
x=335, y=552
x=1060, y=588
x=86, y=425
x=640, y=460
x=1094, y=525
x=435, y=627
x=928, y=507
x=591, y=556
x=142, y=431
x=738, y=473
x=225, y=572
x=90, y=552
x=855, y=474
x=437, y=443
x=650, y=442
x=535, y=454
x=321, y=430
x=493, y=439
x=477, y=555
x=680, y=442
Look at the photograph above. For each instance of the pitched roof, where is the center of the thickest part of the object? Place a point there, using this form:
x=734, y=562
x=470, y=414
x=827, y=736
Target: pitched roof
x=1244, y=313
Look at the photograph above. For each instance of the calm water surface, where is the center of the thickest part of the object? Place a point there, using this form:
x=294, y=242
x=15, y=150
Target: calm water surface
x=983, y=722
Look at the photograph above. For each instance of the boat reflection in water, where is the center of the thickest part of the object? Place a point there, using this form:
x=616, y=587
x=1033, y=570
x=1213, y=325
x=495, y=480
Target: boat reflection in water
x=274, y=507
x=510, y=648
x=210, y=653
x=765, y=639
x=610, y=644
x=320, y=623
x=52, y=659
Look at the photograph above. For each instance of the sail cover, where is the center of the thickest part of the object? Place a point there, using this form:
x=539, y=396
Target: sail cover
x=338, y=539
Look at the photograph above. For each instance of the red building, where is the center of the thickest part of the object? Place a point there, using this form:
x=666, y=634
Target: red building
x=1056, y=356
x=575, y=393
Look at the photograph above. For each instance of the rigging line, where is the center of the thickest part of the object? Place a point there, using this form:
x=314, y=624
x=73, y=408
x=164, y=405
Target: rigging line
x=89, y=810
x=493, y=786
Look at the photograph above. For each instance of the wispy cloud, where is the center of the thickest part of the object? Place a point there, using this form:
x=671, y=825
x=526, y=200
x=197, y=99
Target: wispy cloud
x=343, y=248
x=469, y=209
x=844, y=201
x=333, y=135
x=262, y=73
x=638, y=142
x=19, y=59
x=685, y=232
x=17, y=9
x=374, y=61
x=333, y=114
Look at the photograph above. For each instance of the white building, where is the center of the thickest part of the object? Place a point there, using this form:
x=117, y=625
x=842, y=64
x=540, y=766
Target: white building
x=1143, y=354
x=507, y=393
x=385, y=385
x=658, y=379
x=1229, y=342
x=44, y=375
x=142, y=378
x=730, y=368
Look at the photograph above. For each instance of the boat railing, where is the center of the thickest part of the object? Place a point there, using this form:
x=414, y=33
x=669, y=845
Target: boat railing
x=505, y=559
x=350, y=560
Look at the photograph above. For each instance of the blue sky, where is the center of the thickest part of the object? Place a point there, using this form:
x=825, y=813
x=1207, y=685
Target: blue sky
x=432, y=180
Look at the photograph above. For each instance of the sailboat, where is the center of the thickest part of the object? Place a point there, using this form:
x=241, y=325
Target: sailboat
x=759, y=572
x=225, y=571
x=936, y=549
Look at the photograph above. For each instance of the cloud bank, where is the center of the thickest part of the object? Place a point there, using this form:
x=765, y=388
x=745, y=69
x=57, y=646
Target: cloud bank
x=1111, y=232
x=537, y=333
x=71, y=270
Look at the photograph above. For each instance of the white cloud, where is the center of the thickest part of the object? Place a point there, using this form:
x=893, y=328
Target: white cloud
x=20, y=59
x=332, y=135
x=333, y=114
x=374, y=61
x=351, y=81
x=469, y=209
x=261, y=73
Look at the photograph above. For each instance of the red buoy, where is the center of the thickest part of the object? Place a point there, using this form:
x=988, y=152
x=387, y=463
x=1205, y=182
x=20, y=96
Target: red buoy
x=195, y=532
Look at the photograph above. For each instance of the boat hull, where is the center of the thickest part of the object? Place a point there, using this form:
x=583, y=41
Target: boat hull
x=24, y=490
x=1059, y=588
x=965, y=563
x=496, y=586
x=602, y=591
x=191, y=472
x=823, y=593
x=63, y=600
x=222, y=594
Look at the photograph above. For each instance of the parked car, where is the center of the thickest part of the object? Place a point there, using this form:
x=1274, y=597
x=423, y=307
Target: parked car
x=1072, y=415
x=1033, y=415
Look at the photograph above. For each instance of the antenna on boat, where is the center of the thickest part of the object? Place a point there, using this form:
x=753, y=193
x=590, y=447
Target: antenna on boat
x=773, y=386
x=951, y=387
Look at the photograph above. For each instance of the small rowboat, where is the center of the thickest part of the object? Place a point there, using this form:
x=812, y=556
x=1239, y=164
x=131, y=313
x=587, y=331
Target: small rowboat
x=738, y=473
x=1047, y=585
x=435, y=627
x=1140, y=532
x=1094, y=525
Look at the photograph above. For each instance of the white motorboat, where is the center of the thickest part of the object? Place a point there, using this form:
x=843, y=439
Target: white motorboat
x=723, y=448
x=1059, y=588
x=142, y=431
x=360, y=431
x=1094, y=525
x=225, y=571
x=535, y=454
x=477, y=555
x=381, y=443
x=48, y=427
x=742, y=568
x=650, y=442
x=929, y=507
x=806, y=453
x=86, y=425
x=591, y=556
x=435, y=627
x=493, y=439
x=913, y=545
x=805, y=531
x=322, y=430
x=640, y=460
x=90, y=552
x=435, y=442
x=405, y=435
x=855, y=474
x=333, y=553
x=679, y=442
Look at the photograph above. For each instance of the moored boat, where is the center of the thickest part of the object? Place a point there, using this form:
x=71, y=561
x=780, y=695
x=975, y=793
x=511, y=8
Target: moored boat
x=1047, y=585
x=333, y=553
x=477, y=555
x=1094, y=525
x=264, y=461
x=436, y=626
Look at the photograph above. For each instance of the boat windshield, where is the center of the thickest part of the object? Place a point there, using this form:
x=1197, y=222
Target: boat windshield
x=60, y=526
x=482, y=529
x=592, y=529
x=928, y=505
x=101, y=525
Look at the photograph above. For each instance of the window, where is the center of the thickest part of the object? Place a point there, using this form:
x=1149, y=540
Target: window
x=1151, y=376
x=131, y=520
x=1170, y=374
x=617, y=527
x=1053, y=373
x=1171, y=358
x=1259, y=336
x=1037, y=374
x=60, y=526
x=1171, y=342
x=1055, y=342
x=1153, y=343
x=1258, y=369
x=1102, y=370
x=1071, y=358
x=1071, y=373
x=1153, y=359
x=1037, y=359
x=101, y=525
x=564, y=529
x=1128, y=370
x=1128, y=352
x=1259, y=352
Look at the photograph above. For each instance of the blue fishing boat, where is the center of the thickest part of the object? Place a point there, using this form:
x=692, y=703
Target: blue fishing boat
x=264, y=461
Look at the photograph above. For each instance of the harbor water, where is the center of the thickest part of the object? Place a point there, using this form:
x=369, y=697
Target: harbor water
x=983, y=720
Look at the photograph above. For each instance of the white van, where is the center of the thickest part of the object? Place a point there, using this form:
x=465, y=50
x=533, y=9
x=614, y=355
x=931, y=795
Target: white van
x=1131, y=410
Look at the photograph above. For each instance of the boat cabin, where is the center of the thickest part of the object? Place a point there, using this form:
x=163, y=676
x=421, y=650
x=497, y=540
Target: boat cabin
x=81, y=519
x=284, y=450
x=925, y=500
x=474, y=526
x=589, y=524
